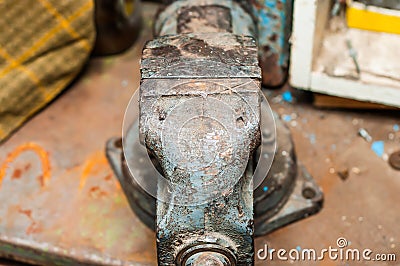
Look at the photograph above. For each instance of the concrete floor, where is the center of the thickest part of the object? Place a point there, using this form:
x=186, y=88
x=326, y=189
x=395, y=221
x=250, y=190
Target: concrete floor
x=83, y=211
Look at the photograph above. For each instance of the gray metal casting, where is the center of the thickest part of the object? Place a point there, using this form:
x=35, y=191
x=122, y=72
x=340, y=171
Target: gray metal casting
x=200, y=119
x=202, y=124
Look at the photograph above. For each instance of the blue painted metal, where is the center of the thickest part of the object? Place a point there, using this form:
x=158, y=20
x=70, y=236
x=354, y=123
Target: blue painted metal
x=271, y=25
x=274, y=19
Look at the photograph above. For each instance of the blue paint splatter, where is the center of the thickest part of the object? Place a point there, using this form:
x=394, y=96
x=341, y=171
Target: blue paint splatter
x=378, y=147
x=287, y=96
x=298, y=248
x=333, y=147
x=287, y=118
x=265, y=189
x=313, y=138
x=396, y=127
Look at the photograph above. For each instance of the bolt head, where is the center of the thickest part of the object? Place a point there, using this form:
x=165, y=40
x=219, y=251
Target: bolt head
x=207, y=258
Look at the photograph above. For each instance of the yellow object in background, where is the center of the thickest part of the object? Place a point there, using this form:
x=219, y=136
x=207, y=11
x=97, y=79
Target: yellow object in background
x=373, y=18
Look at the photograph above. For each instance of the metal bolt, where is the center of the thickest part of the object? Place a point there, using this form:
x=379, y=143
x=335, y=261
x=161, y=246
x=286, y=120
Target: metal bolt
x=394, y=160
x=308, y=193
x=208, y=258
x=206, y=255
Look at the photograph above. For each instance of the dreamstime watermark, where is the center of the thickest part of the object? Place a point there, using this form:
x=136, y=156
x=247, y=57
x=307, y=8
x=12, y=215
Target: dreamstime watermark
x=340, y=252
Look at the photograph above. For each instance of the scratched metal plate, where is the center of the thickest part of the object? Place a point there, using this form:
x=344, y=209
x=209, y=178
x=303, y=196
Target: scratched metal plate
x=59, y=200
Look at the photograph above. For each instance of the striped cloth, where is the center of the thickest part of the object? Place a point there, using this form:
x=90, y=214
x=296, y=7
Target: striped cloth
x=43, y=46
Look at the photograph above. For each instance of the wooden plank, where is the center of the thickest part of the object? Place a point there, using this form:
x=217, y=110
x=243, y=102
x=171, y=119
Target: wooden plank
x=304, y=16
x=353, y=89
x=322, y=16
x=327, y=101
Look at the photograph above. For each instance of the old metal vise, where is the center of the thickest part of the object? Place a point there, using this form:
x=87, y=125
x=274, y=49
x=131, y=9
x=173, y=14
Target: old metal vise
x=204, y=161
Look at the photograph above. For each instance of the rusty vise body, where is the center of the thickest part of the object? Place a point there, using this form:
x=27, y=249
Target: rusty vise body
x=221, y=168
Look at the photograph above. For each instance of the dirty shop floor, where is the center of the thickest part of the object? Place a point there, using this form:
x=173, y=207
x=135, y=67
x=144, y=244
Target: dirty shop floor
x=59, y=188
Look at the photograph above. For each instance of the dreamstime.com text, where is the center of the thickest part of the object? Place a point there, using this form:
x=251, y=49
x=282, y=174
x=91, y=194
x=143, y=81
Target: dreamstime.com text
x=341, y=252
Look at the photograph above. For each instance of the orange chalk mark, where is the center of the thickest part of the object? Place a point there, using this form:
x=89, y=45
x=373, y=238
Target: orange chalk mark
x=93, y=165
x=30, y=146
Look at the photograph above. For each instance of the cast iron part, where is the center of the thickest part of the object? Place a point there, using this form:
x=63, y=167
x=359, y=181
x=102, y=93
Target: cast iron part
x=287, y=194
x=267, y=21
x=118, y=24
x=207, y=85
x=394, y=160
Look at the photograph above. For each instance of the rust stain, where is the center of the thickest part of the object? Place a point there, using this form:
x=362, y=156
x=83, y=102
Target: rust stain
x=27, y=167
x=256, y=4
x=30, y=146
x=96, y=192
x=17, y=174
x=28, y=213
x=40, y=180
x=33, y=228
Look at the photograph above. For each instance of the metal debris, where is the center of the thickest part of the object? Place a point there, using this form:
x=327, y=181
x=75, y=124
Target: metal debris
x=356, y=170
x=353, y=55
x=343, y=174
x=287, y=96
x=313, y=138
x=286, y=118
x=364, y=134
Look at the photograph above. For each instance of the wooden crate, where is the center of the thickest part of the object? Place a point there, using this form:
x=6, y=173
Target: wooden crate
x=321, y=62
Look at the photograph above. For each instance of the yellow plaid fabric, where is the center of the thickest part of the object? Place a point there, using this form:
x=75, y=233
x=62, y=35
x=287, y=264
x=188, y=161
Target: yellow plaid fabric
x=43, y=46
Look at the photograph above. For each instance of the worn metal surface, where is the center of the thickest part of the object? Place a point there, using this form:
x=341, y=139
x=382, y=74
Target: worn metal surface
x=195, y=80
x=204, y=16
x=190, y=82
x=280, y=199
x=268, y=21
x=60, y=202
x=394, y=160
x=274, y=28
x=214, y=55
x=201, y=123
x=286, y=195
x=118, y=25
x=359, y=209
